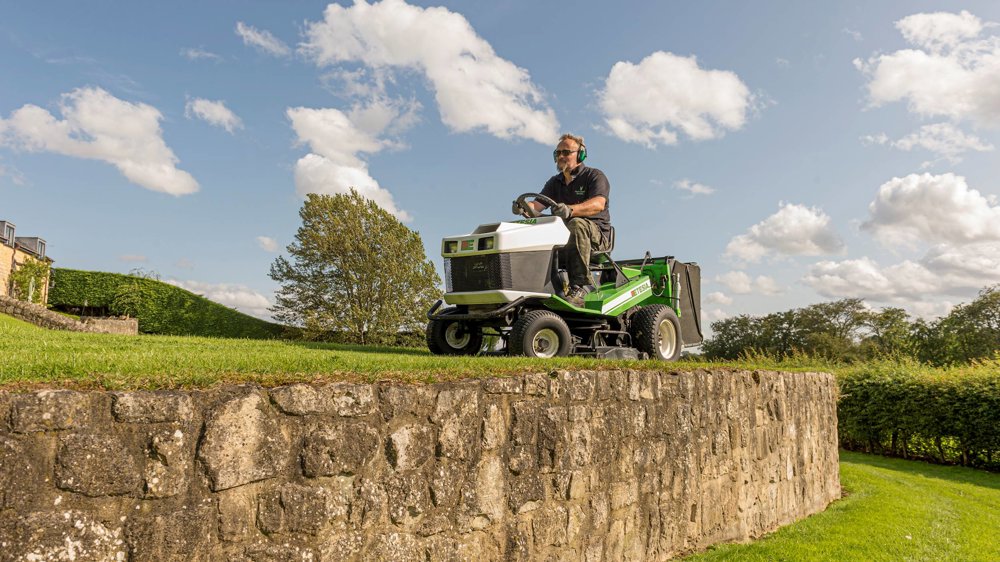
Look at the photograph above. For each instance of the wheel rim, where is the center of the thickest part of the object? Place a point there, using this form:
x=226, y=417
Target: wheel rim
x=455, y=337
x=668, y=339
x=545, y=343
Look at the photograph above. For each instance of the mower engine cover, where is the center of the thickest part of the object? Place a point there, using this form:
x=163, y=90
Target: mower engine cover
x=501, y=262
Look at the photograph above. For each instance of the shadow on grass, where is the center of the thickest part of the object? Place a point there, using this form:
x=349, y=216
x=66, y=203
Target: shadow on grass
x=950, y=473
x=359, y=348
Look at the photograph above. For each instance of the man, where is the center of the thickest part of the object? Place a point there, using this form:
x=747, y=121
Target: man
x=581, y=195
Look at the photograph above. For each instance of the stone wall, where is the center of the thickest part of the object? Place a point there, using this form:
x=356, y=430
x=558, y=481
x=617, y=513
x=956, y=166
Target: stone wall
x=584, y=466
x=40, y=316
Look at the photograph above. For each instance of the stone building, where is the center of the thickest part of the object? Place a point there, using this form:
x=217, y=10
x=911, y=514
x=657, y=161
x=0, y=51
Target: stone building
x=15, y=251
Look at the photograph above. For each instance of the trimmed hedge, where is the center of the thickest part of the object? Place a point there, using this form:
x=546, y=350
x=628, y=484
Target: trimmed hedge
x=903, y=409
x=161, y=308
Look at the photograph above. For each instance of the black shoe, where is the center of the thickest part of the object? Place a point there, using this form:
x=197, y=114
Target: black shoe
x=577, y=293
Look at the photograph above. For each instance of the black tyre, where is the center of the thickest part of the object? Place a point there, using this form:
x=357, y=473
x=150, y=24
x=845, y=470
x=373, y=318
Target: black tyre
x=656, y=330
x=540, y=333
x=453, y=337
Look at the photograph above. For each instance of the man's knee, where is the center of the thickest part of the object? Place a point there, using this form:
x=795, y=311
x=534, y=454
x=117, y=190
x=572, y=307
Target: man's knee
x=579, y=227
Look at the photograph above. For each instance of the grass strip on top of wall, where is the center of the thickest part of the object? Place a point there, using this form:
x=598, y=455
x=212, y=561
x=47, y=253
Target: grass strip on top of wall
x=894, y=510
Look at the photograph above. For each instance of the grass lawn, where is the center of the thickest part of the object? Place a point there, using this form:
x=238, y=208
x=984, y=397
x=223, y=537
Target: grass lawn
x=894, y=510
x=32, y=357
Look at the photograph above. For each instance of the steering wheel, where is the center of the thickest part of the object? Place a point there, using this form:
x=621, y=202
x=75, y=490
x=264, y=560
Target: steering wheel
x=527, y=210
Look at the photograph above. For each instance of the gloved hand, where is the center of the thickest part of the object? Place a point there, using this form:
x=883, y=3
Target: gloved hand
x=515, y=208
x=561, y=210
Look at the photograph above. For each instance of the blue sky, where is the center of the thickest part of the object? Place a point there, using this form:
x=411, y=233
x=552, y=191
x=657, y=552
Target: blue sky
x=800, y=152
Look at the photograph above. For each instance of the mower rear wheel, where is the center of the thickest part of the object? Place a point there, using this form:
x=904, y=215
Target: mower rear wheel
x=656, y=330
x=453, y=337
x=540, y=333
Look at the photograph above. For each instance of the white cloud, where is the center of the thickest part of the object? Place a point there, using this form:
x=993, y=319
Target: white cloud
x=262, y=39
x=99, y=126
x=474, y=88
x=932, y=209
x=133, y=258
x=856, y=35
x=693, y=188
x=718, y=297
x=240, y=297
x=6, y=170
x=944, y=139
x=959, y=271
x=795, y=230
x=267, y=243
x=953, y=73
x=214, y=113
x=649, y=102
x=200, y=54
x=336, y=140
x=741, y=283
x=939, y=30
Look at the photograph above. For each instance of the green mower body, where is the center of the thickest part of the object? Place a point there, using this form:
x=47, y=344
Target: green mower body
x=505, y=294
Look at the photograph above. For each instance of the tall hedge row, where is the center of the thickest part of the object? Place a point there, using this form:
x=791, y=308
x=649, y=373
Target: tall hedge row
x=161, y=308
x=950, y=415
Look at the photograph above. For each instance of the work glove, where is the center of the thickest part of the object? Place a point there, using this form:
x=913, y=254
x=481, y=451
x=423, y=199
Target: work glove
x=561, y=210
x=516, y=209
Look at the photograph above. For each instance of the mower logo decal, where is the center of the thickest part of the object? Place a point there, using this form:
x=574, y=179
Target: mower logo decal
x=479, y=266
x=468, y=245
x=527, y=221
x=625, y=297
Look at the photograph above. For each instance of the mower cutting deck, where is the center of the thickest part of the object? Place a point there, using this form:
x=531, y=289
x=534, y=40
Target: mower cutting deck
x=505, y=283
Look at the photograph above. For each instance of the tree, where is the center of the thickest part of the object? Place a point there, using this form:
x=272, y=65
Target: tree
x=355, y=270
x=28, y=279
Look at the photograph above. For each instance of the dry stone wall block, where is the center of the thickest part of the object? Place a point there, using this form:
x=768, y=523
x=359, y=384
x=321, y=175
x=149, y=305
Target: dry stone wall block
x=167, y=467
x=410, y=446
x=339, y=448
x=49, y=410
x=184, y=535
x=151, y=407
x=97, y=465
x=243, y=443
x=60, y=535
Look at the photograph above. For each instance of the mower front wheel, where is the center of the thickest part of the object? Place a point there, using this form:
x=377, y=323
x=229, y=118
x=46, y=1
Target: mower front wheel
x=540, y=333
x=452, y=337
x=656, y=330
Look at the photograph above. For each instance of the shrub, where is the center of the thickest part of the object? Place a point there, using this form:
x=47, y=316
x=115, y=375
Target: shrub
x=161, y=308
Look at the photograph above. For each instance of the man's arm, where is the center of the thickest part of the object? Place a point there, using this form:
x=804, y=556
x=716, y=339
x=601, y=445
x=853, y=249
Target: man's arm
x=590, y=207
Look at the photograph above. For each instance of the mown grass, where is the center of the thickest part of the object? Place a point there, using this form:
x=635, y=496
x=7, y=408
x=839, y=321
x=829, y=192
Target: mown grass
x=894, y=510
x=35, y=357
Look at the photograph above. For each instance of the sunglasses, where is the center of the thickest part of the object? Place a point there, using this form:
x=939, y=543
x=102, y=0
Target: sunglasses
x=564, y=152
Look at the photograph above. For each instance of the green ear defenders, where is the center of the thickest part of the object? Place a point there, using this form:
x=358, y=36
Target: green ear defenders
x=581, y=154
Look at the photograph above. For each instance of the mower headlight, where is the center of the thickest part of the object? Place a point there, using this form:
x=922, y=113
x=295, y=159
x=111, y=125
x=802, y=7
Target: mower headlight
x=487, y=243
x=451, y=246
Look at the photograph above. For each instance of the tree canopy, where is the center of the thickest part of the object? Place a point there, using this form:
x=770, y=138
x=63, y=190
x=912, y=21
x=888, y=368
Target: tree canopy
x=354, y=272
x=847, y=330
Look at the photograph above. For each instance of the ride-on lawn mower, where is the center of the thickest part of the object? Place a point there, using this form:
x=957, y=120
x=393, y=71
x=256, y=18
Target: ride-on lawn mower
x=505, y=280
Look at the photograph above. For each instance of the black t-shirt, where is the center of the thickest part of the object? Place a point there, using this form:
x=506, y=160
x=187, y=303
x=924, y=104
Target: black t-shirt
x=587, y=183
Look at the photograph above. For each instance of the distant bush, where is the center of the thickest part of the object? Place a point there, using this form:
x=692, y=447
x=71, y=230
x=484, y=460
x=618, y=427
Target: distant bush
x=161, y=308
x=905, y=409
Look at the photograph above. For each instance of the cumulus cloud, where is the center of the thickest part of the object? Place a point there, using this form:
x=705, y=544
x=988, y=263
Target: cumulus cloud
x=959, y=271
x=795, y=230
x=740, y=283
x=336, y=140
x=239, y=297
x=932, y=209
x=192, y=53
x=262, y=40
x=953, y=72
x=214, y=113
x=267, y=243
x=855, y=34
x=473, y=87
x=694, y=188
x=944, y=139
x=650, y=102
x=718, y=297
x=99, y=126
